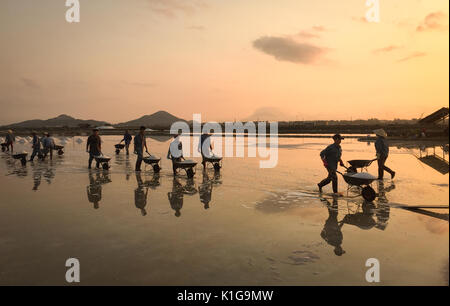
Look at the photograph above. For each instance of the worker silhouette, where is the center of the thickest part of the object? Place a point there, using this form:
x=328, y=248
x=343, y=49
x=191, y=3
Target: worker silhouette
x=332, y=232
x=176, y=197
x=94, y=189
x=140, y=194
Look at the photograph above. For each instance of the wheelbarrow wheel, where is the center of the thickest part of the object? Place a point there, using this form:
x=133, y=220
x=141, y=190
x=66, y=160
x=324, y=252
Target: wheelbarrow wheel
x=117, y=151
x=3, y=149
x=217, y=167
x=190, y=173
x=105, y=166
x=60, y=152
x=156, y=168
x=368, y=194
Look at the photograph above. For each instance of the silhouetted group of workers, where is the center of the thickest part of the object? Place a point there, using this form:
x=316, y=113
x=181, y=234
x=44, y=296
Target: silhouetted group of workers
x=41, y=145
x=331, y=156
x=175, y=152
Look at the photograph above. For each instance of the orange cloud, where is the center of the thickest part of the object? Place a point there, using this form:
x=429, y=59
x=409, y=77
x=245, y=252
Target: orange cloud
x=433, y=21
x=287, y=49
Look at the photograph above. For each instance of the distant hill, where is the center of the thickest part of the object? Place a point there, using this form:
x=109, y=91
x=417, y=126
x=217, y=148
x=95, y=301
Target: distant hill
x=158, y=120
x=60, y=121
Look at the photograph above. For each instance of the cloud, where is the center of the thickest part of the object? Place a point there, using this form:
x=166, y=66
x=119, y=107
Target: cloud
x=172, y=8
x=411, y=56
x=387, y=49
x=433, y=21
x=30, y=83
x=287, y=49
x=319, y=28
x=307, y=35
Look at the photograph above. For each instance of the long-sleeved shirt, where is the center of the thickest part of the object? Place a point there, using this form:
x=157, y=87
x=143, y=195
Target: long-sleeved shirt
x=332, y=155
x=127, y=138
x=382, y=147
x=94, y=144
x=36, y=142
x=48, y=142
x=10, y=138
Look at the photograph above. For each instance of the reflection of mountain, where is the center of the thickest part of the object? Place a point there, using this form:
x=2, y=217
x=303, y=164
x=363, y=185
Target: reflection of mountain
x=158, y=120
x=60, y=121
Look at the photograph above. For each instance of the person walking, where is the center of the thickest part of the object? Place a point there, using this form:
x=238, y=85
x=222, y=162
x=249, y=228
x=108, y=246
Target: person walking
x=48, y=145
x=36, y=146
x=382, y=149
x=331, y=156
x=10, y=139
x=139, y=145
x=205, y=147
x=127, y=139
x=94, y=147
x=175, y=152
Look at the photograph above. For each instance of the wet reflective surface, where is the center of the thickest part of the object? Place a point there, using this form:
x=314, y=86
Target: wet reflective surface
x=242, y=226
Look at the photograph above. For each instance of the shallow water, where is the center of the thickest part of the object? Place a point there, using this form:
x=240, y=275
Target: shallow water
x=246, y=226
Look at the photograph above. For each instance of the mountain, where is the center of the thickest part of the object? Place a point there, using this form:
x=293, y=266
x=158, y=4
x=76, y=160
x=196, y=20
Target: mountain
x=60, y=121
x=158, y=120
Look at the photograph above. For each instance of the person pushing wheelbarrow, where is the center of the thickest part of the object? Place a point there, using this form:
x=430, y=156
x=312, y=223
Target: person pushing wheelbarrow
x=382, y=148
x=330, y=156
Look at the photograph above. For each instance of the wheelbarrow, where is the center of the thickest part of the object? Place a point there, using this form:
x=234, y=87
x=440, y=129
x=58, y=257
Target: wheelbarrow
x=22, y=156
x=119, y=147
x=187, y=165
x=215, y=161
x=103, y=161
x=153, y=161
x=362, y=182
x=59, y=149
x=356, y=164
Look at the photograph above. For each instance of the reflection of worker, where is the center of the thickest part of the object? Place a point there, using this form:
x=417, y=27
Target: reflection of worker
x=331, y=232
x=330, y=158
x=127, y=139
x=205, y=190
x=36, y=145
x=383, y=210
x=37, y=174
x=175, y=152
x=363, y=220
x=176, y=197
x=205, y=147
x=139, y=145
x=382, y=148
x=94, y=147
x=140, y=196
x=94, y=191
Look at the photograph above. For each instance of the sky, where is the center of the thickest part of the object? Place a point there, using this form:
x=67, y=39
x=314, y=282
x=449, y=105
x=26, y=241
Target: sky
x=223, y=59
